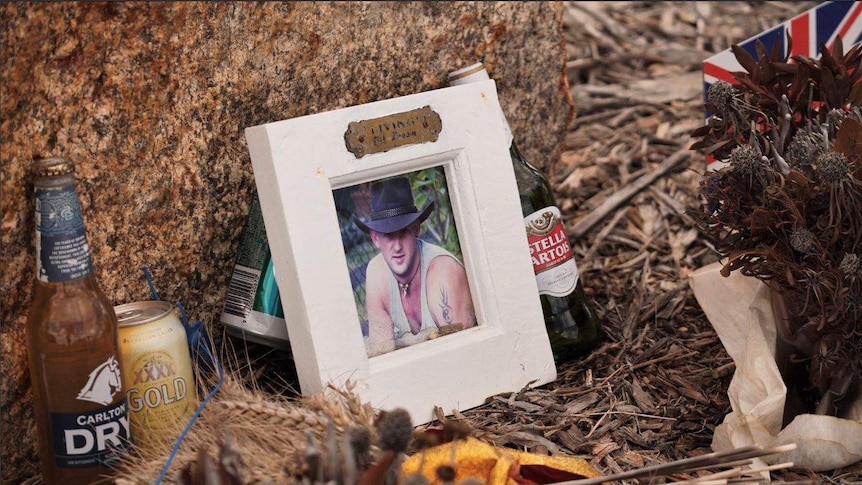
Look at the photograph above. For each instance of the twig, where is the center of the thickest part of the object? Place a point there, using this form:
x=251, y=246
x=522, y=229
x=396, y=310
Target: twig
x=686, y=464
x=620, y=197
x=602, y=235
x=737, y=472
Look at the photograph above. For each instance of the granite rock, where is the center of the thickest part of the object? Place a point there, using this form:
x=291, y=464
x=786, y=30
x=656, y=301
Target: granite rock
x=151, y=99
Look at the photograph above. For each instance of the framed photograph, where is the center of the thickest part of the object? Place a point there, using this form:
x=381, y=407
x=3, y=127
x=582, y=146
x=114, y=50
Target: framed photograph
x=400, y=251
x=406, y=265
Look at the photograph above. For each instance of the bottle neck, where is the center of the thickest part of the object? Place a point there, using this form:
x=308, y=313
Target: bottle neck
x=62, y=251
x=477, y=73
x=474, y=74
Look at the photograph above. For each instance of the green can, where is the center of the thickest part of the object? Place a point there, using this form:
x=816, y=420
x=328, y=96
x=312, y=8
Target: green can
x=252, y=309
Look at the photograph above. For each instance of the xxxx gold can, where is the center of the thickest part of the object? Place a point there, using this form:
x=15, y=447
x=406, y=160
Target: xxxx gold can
x=157, y=368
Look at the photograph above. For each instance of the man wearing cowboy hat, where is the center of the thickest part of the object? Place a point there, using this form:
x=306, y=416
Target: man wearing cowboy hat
x=414, y=289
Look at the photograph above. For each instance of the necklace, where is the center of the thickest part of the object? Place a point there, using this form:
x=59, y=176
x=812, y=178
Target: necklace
x=405, y=287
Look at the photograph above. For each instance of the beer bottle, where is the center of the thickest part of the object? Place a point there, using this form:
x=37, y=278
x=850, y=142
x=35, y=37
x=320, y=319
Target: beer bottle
x=572, y=324
x=78, y=394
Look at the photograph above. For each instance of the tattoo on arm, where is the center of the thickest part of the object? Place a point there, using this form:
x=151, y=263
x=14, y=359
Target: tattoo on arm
x=445, y=307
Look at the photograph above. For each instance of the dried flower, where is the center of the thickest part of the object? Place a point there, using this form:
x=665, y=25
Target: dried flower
x=721, y=94
x=456, y=430
x=396, y=430
x=850, y=264
x=832, y=167
x=803, y=149
x=358, y=445
x=745, y=158
x=359, y=438
x=833, y=120
x=803, y=240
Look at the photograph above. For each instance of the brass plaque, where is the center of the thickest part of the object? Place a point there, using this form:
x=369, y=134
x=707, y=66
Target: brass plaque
x=383, y=134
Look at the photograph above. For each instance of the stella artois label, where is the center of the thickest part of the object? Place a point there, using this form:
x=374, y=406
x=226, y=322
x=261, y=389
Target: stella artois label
x=553, y=263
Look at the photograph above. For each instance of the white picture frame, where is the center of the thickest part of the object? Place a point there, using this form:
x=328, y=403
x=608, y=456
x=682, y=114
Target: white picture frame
x=299, y=163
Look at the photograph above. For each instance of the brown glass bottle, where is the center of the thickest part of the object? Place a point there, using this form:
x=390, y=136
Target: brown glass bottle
x=573, y=325
x=78, y=392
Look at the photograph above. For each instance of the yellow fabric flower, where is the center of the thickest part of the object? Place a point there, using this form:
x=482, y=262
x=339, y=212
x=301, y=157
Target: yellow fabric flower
x=491, y=464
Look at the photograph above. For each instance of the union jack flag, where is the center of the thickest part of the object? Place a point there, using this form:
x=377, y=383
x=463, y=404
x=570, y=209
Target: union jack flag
x=809, y=31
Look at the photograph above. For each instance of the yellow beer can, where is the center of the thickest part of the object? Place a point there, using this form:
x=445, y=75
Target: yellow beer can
x=157, y=367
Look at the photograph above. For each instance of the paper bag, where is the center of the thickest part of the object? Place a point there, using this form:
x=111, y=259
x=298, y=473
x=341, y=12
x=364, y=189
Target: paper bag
x=741, y=310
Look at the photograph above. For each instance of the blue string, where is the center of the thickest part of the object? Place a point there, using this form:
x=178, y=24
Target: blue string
x=194, y=418
x=149, y=278
x=199, y=342
x=197, y=337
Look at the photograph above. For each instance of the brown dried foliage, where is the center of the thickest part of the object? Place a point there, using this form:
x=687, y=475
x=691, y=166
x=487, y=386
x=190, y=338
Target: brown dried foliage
x=788, y=207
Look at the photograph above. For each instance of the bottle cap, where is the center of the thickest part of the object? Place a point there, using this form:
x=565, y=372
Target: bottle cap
x=52, y=167
x=469, y=74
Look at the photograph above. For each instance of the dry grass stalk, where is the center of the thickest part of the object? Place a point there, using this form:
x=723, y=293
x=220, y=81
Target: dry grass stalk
x=270, y=432
x=734, y=458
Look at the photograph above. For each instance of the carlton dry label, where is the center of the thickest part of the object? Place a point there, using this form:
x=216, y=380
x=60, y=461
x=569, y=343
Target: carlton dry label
x=96, y=436
x=88, y=439
x=553, y=262
x=61, y=239
x=161, y=392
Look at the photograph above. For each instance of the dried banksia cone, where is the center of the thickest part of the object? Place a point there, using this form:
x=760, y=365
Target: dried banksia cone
x=456, y=430
x=721, y=94
x=803, y=240
x=745, y=159
x=832, y=167
x=850, y=264
x=358, y=439
x=804, y=149
x=395, y=429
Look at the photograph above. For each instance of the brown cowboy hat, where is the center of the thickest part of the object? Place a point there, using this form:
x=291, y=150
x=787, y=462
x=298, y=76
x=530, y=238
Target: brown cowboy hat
x=392, y=207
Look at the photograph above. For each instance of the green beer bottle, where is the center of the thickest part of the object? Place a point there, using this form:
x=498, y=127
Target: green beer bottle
x=573, y=326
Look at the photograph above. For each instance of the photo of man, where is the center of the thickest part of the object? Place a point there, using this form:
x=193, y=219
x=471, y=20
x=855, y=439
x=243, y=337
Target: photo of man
x=414, y=289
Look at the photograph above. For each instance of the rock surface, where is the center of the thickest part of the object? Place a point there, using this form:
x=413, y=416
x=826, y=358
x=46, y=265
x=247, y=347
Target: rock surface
x=151, y=100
